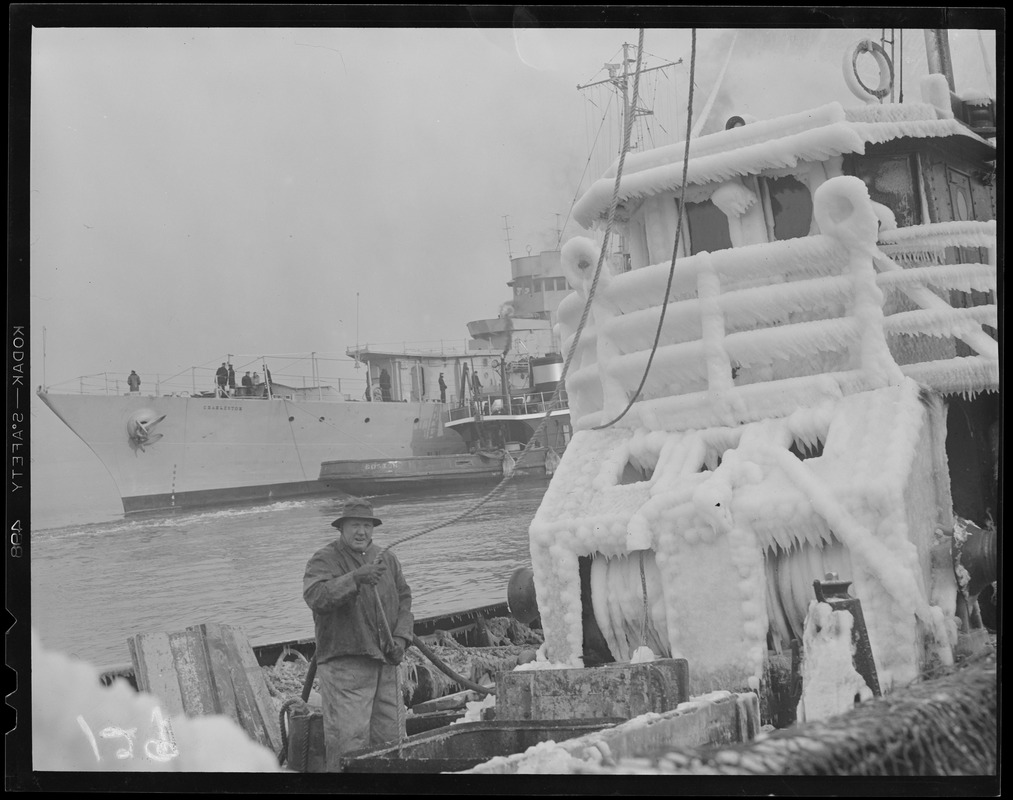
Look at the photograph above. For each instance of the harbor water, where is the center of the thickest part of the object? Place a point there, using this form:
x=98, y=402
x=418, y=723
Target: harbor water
x=96, y=584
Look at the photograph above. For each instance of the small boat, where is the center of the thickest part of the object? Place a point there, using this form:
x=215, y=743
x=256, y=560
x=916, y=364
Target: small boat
x=469, y=628
x=376, y=476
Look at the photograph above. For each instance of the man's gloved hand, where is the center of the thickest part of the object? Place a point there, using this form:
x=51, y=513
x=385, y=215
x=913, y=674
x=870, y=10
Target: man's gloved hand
x=369, y=574
x=397, y=650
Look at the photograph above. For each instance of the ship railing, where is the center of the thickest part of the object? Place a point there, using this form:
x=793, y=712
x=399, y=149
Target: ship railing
x=515, y=403
x=284, y=385
x=295, y=376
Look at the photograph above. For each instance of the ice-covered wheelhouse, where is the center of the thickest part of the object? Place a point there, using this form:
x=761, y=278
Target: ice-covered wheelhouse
x=823, y=396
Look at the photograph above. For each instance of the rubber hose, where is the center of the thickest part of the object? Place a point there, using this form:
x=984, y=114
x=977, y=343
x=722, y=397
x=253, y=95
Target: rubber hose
x=447, y=670
x=283, y=754
x=311, y=673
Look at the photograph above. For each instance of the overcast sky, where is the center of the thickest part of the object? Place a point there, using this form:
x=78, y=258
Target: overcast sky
x=197, y=192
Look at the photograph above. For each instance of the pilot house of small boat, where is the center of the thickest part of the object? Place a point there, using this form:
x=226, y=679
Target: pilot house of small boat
x=822, y=398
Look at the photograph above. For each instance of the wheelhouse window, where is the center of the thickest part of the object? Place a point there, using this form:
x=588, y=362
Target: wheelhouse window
x=791, y=207
x=708, y=228
x=891, y=181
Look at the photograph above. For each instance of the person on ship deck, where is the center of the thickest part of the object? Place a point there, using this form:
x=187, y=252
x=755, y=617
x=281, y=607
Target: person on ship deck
x=221, y=378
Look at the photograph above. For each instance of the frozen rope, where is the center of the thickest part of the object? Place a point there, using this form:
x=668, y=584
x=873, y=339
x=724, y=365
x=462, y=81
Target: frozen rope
x=675, y=248
x=399, y=683
x=643, y=587
x=627, y=128
x=587, y=307
x=587, y=164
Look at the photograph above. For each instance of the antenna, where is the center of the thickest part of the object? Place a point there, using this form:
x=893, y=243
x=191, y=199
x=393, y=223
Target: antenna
x=357, y=364
x=619, y=80
x=506, y=228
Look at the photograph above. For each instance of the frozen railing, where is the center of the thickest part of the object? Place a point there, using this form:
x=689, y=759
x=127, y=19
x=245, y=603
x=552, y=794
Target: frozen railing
x=304, y=377
x=758, y=331
x=494, y=405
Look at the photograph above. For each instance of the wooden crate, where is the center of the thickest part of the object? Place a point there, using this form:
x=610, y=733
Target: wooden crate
x=207, y=669
x=615, y=690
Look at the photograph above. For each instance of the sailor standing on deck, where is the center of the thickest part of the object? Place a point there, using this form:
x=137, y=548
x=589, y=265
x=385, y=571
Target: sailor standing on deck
x=356, y=660
x=134, y=381
x=222, y=377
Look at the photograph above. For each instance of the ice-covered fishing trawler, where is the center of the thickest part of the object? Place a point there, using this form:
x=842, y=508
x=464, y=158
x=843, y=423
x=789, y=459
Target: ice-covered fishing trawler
x=822, y=407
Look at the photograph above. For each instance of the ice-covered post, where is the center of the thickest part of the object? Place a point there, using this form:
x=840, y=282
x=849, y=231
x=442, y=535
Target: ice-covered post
x=712, y=326
x=579, y=258
x=844, y=212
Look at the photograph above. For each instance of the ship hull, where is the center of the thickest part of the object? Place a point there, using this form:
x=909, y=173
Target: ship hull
x=374, y=476
x=408, y=474
x=167, y=453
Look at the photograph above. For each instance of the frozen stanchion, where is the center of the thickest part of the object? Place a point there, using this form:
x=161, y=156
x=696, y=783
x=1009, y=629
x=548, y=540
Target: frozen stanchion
x=834, y=593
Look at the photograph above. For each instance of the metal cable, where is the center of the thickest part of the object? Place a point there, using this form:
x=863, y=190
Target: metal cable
x=675, y=248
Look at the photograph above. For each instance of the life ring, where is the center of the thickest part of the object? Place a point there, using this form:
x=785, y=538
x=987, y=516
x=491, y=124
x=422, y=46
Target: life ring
x=855, y=83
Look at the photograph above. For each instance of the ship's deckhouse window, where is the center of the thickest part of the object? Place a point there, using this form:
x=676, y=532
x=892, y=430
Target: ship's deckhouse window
x=708, y=228
x=791, y=207
x=891, y=181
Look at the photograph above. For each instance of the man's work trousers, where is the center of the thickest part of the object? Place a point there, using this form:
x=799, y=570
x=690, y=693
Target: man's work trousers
x=360, y=698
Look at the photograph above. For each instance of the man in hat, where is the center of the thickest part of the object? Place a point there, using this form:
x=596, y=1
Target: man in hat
x=357, y=593
x=443, y=389
x=222, y=377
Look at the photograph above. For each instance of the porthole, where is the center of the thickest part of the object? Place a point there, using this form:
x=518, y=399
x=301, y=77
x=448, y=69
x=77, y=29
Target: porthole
x=367, y=419
x=291, y=419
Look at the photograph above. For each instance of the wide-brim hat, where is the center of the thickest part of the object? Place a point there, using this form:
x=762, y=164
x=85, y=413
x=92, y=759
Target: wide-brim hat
x=357, y=509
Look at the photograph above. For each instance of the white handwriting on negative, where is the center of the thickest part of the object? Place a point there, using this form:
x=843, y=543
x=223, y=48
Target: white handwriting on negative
x=160, y=748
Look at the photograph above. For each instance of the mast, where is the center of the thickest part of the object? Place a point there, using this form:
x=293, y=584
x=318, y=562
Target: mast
x=619, y=78
x=622, y=83
x=937, y=51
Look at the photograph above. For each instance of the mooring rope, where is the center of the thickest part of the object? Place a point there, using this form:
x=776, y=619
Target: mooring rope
x=552, y=404
x=643, y=587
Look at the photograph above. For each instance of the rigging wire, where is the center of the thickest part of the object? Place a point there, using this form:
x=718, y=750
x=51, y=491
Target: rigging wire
x=587, y=163
x=675, y=248
x=552, y=404
x=573, y=348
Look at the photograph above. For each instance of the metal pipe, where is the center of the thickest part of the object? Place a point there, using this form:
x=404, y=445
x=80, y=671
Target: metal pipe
x=976, y=553
x=834, y=593
x=937, y=52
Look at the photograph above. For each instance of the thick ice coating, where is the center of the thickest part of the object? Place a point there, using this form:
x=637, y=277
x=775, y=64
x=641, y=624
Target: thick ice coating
x=788, y=428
